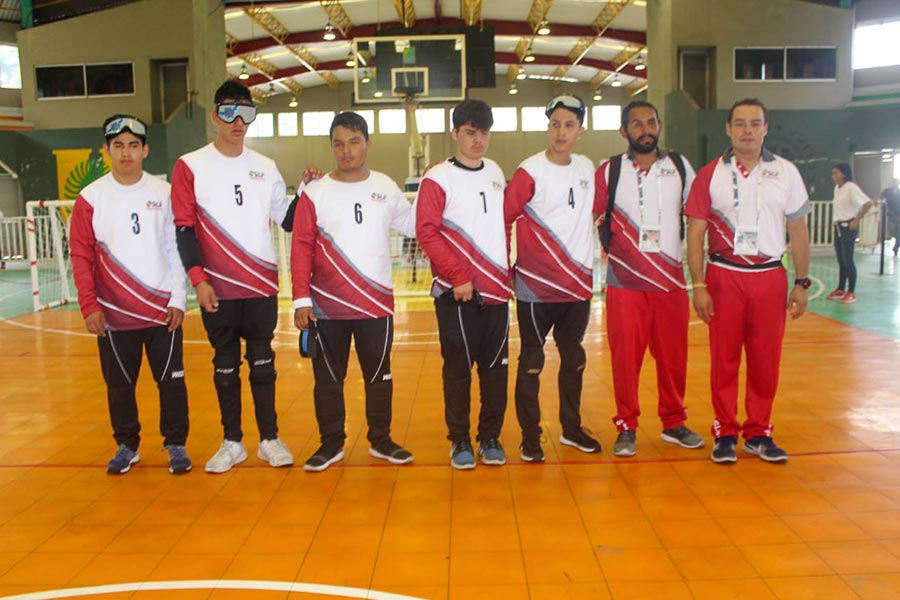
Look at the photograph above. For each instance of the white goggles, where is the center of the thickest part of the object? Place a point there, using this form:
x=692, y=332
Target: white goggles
x=571, y=102
x=117, y=126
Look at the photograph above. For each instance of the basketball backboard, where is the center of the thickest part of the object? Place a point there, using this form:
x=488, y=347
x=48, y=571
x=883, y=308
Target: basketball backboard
x=430, y=68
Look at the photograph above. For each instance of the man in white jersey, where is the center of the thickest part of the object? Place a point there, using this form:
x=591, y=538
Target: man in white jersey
x=550, y=199
x=132, y=290
x=459, y=225
x=224, y=196
x=646, y=295
x=742, y=201
x=341, y=274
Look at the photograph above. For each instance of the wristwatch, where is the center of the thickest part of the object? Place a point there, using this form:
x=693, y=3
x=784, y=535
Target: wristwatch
x=804, y=282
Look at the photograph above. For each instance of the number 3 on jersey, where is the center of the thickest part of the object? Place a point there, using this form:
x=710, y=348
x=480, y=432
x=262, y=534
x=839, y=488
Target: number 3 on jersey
x=135, y=224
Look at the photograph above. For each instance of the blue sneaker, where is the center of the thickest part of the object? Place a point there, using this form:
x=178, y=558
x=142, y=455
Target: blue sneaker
x=462, y=456
x=723, y=450
x=491, y=452
x=122, y=461
x=178, y=460
x=765, y=448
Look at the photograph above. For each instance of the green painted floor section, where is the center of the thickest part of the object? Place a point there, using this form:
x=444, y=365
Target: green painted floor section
x=877, y=308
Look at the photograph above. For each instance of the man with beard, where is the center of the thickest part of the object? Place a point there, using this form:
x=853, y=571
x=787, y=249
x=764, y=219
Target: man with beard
x=642, y=193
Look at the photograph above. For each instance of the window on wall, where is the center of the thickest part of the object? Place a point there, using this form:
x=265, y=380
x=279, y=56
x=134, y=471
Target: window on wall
x=533, y=118
x=606, y=117
x=317, y=122
x=10, y=74
x=430, y=120
x=79, y=81
x=287, y=124
x=785, y=64
x=392, y=120
x=369, y=116
x=876, y=45
x=262, y=127
x=506, y=118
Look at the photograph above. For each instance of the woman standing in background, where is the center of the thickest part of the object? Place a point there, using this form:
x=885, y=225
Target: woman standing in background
x=850, y=205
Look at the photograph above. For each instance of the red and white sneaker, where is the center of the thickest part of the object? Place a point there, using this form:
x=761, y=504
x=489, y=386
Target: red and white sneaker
x=835, y=295
x=848, y=298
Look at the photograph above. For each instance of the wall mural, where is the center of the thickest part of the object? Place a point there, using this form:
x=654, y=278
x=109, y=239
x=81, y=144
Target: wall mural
x=76, y=168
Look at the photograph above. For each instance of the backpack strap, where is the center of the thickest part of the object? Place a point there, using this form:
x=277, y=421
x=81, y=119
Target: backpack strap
x=678, y=160
x=604, y=230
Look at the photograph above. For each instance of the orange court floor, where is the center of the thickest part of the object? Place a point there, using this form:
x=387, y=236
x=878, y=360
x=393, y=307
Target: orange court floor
x=667, y=523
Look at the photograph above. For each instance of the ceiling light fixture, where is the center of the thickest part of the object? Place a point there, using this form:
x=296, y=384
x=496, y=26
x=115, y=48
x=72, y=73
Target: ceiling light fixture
x=513, y=90
x=616, y=82
x=365, y=78
x=351, y=60
x=329, y=32
x=529, y=57
x=543, y=27
x=378, y=94
x=244, y=74
x=597, y=95
x=640, y=66
x=521, y=75
x=293, y=102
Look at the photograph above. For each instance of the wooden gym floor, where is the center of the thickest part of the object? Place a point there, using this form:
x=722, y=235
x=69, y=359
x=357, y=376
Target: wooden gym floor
x=667, y=523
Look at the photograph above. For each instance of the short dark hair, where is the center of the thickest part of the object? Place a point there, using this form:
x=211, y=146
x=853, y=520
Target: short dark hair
x=636, y=104
x=473, y=112
x=350, y=120
x=232, y=90
x=845, y=170
x=749, y=102
x=109, y=138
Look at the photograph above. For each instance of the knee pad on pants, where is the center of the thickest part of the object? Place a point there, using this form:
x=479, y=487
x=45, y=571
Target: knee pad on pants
x=227, y=371
x=531, y=360
x=573, y=354
x=262, y=363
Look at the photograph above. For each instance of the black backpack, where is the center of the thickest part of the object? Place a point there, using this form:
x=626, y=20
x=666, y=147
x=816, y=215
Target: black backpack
x=615, y=169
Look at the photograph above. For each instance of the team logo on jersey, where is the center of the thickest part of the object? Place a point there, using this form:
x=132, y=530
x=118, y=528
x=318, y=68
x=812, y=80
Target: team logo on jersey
x=497, y=185
x=151, y=204
x=769, y=174
x=256, y=174
x=584, y=183
x=378, y=197
x=667, y=172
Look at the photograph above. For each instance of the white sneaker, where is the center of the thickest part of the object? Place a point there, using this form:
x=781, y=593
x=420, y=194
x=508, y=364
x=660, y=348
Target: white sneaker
x=275, y=453
x=229, y=454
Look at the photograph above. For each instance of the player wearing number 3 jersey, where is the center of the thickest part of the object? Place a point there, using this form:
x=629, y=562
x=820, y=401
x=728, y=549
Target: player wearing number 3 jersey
x=223, y=197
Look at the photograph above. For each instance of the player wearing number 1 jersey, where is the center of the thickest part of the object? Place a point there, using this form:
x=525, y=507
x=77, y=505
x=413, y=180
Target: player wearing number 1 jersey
x=341, y=273
x=550, y=199
x=459, y=224
x=131, y=288
x=224, y=196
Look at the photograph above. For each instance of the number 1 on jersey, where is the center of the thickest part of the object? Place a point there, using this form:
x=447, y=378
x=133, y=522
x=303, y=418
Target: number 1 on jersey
x=484, y=201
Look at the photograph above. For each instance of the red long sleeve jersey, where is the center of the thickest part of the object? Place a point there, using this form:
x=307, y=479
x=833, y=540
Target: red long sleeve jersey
x=551, y=206
x=459, y=225
x=340, y=250
x=124, y=257
x=229, y=201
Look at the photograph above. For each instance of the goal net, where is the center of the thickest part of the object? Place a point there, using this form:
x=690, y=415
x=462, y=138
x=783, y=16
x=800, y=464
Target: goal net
x=47, y=241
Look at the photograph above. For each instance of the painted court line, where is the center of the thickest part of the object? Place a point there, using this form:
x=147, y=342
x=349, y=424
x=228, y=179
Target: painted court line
x=215, y=584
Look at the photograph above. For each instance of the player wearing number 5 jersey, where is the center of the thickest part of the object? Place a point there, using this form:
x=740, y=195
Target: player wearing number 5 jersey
x=459, y=224
x=224, y=196
x=341, y=273
x=131, y=288
x=550, y=199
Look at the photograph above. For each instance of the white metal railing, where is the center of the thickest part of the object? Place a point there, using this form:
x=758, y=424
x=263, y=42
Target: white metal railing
x=820, y=222
x=13, y=243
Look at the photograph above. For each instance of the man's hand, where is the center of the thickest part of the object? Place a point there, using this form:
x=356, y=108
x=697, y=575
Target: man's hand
x=797, y=302
x=302, y=317
x=703, y=304
x=96, y=323
x=174, y=317
x=463, y=293
x=311, y=173
x=206, y=297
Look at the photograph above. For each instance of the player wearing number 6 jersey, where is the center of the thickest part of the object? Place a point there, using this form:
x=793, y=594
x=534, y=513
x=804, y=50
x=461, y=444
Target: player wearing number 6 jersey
x=341, y=273
x=459, y=224
x=224, y=196
x=550, y=199
x=131, y=288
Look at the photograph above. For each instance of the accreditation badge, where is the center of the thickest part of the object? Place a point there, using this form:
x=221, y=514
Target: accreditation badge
x=649, y=239
x=746, y=241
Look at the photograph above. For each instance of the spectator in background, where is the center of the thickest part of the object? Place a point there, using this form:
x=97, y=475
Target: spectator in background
x=850, y=205
x=891, y=197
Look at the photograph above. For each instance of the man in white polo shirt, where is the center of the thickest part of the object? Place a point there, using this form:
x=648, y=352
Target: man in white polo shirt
x=740, y=203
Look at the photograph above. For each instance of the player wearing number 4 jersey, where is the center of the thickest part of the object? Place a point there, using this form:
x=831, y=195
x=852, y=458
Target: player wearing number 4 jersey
x=341, y=273
x=459, y=224
x=550, y=199
x=131, y=288
x=224, y=196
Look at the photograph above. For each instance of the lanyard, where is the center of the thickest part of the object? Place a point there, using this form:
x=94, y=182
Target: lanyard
x=640, y=182
x=737, y=198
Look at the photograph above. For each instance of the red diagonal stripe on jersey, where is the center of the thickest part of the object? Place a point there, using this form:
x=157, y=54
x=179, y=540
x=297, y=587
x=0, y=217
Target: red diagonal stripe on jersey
x=721, y=242
x=486, y=277
x=117, y=287
x=341, y=291
x=549, y=259
x=237, y=272
x=624, y=250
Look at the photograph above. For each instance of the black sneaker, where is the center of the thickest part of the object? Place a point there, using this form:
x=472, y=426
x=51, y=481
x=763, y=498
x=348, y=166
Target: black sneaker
x=324, y=457
x=531, y=451
x=391, y=452
x=765, y=448
x=579, y=439
x=723, y=450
